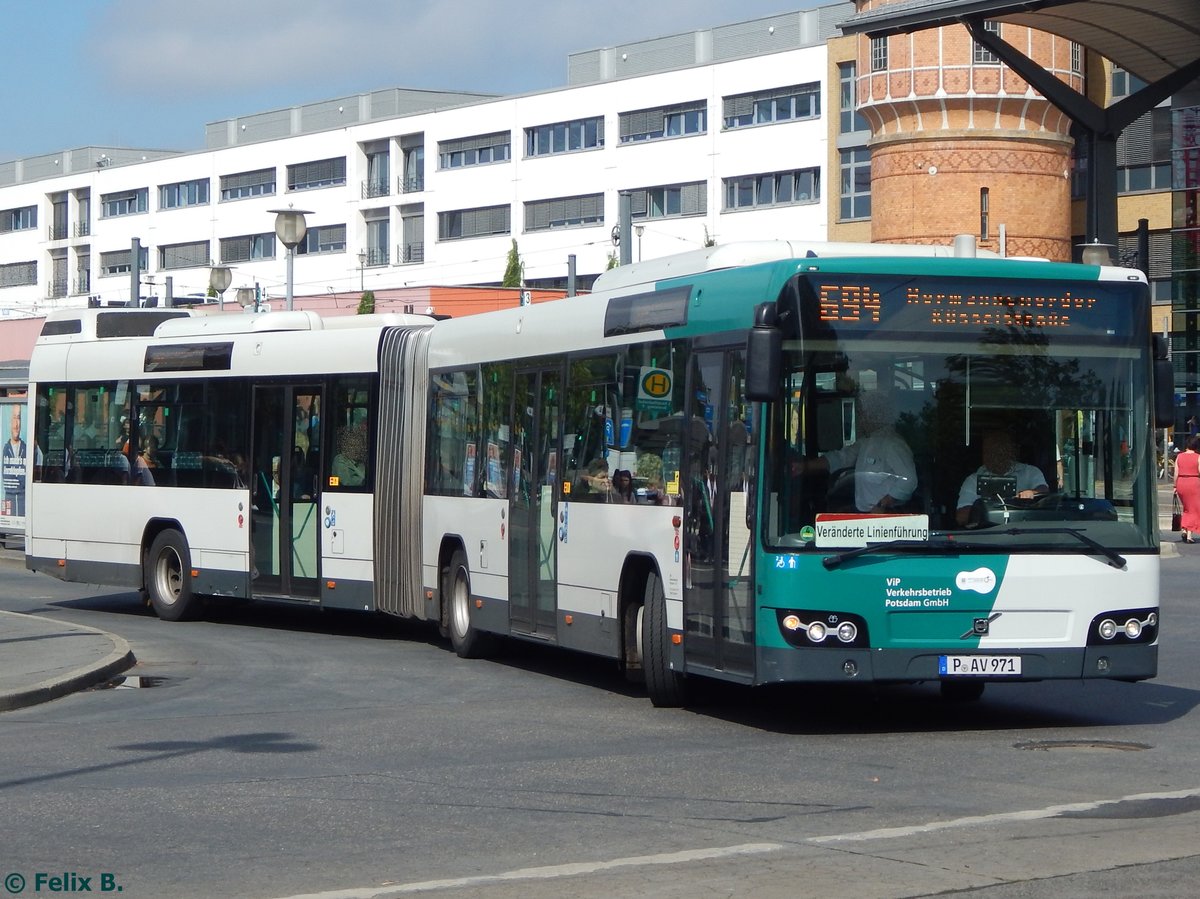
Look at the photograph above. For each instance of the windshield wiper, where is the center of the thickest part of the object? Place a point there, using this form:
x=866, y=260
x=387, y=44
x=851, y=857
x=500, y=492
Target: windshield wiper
x=1115, y=559
x=948, y=542
x=942, y=543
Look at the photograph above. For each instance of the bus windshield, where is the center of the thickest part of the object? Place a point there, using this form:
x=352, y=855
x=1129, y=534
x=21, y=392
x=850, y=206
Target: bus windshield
x=1001, y=429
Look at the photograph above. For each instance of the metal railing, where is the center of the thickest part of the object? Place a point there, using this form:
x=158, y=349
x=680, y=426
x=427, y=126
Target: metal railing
x=411, y=253
x=412, y=184
x=377, y=256
x=374, y=189
x=57, y=288
x=57, y=232
x=83, y=229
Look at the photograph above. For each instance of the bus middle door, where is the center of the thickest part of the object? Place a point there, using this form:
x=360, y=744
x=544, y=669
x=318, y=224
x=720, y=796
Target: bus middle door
x=533, y=560
x=287, y=460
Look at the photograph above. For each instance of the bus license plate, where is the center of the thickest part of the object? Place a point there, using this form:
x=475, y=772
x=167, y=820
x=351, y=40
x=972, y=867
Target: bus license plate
x=979, y=666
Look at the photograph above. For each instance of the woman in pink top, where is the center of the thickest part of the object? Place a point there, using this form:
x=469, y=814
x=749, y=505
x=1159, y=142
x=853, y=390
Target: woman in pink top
x=1187, y=487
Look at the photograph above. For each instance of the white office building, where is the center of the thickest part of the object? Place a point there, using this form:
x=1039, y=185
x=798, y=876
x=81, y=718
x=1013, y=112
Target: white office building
x=717, y=135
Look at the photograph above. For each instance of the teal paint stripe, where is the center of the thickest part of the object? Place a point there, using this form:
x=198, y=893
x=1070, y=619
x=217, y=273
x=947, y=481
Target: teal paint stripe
x=908, y=602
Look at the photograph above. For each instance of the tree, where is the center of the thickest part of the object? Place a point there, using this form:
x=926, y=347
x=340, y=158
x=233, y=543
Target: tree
x=366, y=305
x=514, y=271
x=613, y=261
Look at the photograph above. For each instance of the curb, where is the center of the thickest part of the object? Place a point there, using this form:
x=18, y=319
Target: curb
x=120, y=659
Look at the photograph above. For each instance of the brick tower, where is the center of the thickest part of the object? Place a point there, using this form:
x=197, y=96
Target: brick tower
x=961, y=144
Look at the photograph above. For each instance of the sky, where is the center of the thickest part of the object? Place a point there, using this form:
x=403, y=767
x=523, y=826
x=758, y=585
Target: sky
x=151, y=73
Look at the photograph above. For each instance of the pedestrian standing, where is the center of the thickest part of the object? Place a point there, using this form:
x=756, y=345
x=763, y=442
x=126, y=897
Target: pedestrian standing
x=1187, y=488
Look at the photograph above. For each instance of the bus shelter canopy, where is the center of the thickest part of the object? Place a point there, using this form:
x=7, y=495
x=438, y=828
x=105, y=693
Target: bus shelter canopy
x=1150, y=38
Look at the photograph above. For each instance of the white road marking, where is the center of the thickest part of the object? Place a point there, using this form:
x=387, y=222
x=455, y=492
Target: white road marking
x=692, y=855
x=549, y=872
x=1051, y=811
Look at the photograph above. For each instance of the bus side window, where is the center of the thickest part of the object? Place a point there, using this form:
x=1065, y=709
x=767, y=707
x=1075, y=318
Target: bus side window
x=350, y=459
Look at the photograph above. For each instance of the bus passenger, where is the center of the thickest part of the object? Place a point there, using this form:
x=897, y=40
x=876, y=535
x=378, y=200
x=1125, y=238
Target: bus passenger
x=622, y=487
x=349, y=465
x=594, y=483
x=147, y=461
x=999, y=453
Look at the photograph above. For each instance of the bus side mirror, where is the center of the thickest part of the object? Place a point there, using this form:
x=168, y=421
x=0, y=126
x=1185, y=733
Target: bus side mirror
x=1164, y=394
x=1164, y=385
x=764, y=351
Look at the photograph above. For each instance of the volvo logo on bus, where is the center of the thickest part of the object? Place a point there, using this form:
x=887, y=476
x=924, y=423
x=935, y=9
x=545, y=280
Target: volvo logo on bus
x=981, y=626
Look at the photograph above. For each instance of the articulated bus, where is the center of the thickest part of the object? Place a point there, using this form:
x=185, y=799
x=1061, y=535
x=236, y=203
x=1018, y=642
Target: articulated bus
x=762, y=463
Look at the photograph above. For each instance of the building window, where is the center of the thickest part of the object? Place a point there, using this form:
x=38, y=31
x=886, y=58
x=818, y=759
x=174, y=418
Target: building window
x=661, y=122
x=849, y=120
x=378, y=174
x=260, y=183
x=773, y=189
x=879, y=54
x=481, y=150
x=378, y=231
x=247, y=247
x=127, y=202
x=1125, y=83
x=856, y=184
x=322, y=173
x=1134, y=178
x=21, y=219
x=565, y=212
x=565, y=137
x=118, y=262
x=785, y=104
x=18, y=274
x=984, y=56
x=184, y=255
x=183, y=193
x=412, y=225
x=669, y=201
x=462, y=223
x=412, y=146
x=1076, y=58
x=325, y=239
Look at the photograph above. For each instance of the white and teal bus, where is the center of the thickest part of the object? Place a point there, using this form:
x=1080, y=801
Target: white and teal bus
x=676, y=472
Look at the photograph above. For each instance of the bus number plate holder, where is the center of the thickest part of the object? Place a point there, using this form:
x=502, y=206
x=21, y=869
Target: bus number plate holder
x=979, y=666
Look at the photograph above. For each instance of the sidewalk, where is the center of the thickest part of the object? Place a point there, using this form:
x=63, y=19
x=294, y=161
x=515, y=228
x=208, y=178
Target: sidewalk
x=42, y=659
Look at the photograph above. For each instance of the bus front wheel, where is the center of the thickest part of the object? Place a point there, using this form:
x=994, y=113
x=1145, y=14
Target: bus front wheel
x=665, y=686
x=168, y=578
x=467, y=640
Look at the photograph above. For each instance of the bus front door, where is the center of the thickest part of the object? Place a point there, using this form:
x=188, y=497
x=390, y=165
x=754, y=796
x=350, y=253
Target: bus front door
x=286, y=464
x=532, y=561
x=718, y=600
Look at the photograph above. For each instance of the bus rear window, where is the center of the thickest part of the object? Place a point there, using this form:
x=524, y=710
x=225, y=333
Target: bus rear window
x=190, y=357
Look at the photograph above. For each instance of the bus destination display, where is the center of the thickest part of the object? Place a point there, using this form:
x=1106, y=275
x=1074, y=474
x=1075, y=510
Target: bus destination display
x=941, y=305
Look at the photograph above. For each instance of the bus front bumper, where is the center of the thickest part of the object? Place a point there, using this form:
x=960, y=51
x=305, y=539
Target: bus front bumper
x=778, y=666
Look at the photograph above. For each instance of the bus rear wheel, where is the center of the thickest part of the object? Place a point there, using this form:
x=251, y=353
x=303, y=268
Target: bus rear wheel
x=665, y=686
x=168, y=578
x=468, y=641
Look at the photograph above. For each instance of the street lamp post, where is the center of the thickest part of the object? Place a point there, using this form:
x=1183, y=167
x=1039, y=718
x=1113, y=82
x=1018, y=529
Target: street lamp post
x=362, y=264
x=219, y=279
x=290, y=228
